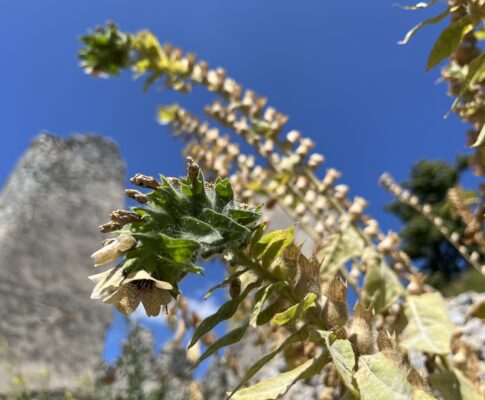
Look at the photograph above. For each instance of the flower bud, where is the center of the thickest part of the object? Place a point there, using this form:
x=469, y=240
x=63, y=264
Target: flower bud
x=145, y=181
x=110, y=227
x=113, y=250
x=293, y=136
x=136, y=195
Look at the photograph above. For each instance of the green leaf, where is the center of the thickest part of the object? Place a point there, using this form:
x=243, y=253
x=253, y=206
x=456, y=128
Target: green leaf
x=341, y=248
x=228, y=228
x=194, y=229
x=269, y=312
x=170, y=265
x=344, y=360
x=475, y=70
x=429, y=328
x=342, y=355
x=225, y=282
x=273, y=388
x=226, y=311
x=422, y=395
x=381, y=284
x=244, y=217
x=224, y=193
x=429, y=21
x=260, y=297
x=378, y=378
x=449, y=40
x=272, y=245
x=167, y=114
x=258, y=234
x=298, y=336
x=453, y=386
x=480, y=139
x=295, y=311
x=179, y=249
x=232, y=337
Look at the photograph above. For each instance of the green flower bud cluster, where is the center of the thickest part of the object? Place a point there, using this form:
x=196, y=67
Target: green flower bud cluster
x=180, y=222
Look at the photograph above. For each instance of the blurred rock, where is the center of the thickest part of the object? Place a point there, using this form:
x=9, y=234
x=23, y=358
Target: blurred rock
x=473, y=329
x=50, y=207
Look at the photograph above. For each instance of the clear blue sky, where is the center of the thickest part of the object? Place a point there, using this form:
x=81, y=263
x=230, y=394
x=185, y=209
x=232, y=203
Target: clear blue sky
x=334, y=67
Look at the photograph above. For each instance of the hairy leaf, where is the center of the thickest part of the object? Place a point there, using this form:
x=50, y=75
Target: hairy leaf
x=449, y=40
x=295, y=311
x=226, y=311
x=225, y=282
x=232, y=337
x=344, y=360
x=342, y=247
x=379, y=378
x=272, y=245
x=260, y=297
x=422, y=395
x=296, y=337
x=192, y=228
x=342, y=354
x=429, y=21
x=454, y=386
x=277, y=386
x=224, y=193
x=429, y=328
x=227, y=227
x=166, y=114
x=381, y=284
x=179, y=249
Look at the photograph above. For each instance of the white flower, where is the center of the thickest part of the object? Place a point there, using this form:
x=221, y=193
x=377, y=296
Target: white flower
x=113, y=250
x=138, y=287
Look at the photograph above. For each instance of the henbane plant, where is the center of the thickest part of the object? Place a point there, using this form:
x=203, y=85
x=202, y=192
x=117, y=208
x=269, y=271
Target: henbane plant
x=301, y=299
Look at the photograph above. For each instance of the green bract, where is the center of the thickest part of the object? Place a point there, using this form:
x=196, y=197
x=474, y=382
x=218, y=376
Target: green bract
x=186, y=220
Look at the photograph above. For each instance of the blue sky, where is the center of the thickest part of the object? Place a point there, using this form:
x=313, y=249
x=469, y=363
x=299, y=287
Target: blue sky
x=334, y=67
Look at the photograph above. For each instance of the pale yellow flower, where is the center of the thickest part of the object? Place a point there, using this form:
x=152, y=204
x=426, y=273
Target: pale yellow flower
x=106, y=282
x=113, y=250
x=138, y=287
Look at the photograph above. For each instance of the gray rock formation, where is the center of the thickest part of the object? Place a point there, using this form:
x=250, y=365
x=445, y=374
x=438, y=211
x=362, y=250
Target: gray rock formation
x=58, y=194
x=473, y=329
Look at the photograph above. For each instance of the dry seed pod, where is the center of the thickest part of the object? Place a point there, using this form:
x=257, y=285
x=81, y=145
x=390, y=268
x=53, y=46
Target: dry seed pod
x=308, y=277
x=386, y=343
x=335, y=313
x=360, y=331
x=234, y=287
